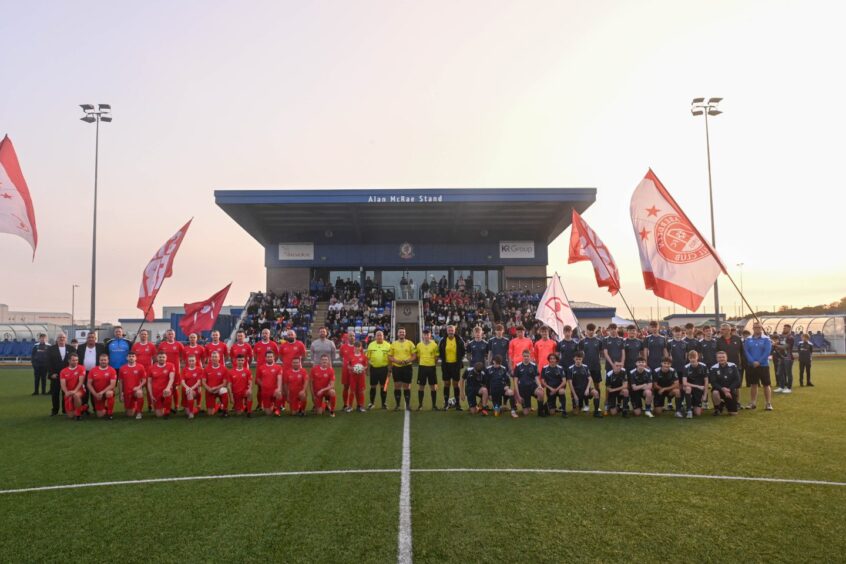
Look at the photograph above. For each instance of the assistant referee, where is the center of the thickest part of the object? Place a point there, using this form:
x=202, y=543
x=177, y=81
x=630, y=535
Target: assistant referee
x=402, y=356
x=377, y=356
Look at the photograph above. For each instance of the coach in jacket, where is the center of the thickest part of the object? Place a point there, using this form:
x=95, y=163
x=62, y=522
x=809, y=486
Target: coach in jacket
x=57, y=359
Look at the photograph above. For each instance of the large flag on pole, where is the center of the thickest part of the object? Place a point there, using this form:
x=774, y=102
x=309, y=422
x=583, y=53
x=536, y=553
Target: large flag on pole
x=554, y=309
x=200, y=316
x=17, y=216
x=159, y=268
x=585, y=245
x=678, y=263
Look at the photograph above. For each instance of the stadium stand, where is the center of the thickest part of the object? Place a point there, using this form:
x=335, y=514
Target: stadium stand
x=279, y=312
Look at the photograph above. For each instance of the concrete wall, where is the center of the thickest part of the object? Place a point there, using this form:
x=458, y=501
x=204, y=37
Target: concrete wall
x=284, y=279
x=515, y=278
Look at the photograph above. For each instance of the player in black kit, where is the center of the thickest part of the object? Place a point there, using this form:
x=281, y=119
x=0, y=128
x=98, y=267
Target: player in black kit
x=695, y=384
x=554, y=382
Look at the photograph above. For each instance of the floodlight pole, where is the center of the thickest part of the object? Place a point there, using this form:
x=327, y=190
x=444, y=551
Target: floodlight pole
x=73, y=310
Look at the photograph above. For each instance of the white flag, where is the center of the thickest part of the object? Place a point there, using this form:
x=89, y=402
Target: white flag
x=554, y=309
x=17, y=215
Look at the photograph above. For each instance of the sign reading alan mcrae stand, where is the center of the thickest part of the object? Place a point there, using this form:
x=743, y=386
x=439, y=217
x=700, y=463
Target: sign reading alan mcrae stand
x=516, y=249
x=296, y=251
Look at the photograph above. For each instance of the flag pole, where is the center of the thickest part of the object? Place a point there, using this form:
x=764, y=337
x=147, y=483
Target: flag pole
x=742, y=297
x=634, y=319
x=143, y=320
x=563, y=291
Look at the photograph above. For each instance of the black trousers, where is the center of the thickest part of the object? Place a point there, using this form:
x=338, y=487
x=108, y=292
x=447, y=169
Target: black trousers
x=57, y=396
x=40, y=377
x=803, y=368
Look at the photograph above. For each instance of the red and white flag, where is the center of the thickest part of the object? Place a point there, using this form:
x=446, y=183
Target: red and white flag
x=678, y=263
x=159, y=268
x=17, y=216
x=554, y=309
x=585, y=245
x=200, y=316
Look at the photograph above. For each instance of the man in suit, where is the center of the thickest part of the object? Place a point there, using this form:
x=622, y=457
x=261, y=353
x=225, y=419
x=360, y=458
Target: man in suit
x=57, y=359
x=89, y=356
x=39, y=363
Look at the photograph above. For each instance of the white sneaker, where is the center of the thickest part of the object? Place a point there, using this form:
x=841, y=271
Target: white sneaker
x=586, y=408
x=137, y=416
x=787, y=391
x=769, y=407
x=689, y=414
x=648, y=413
x=778, y=390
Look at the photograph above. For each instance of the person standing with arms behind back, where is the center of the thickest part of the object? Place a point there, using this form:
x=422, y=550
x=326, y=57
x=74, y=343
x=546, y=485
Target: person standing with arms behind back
x=757, y=349
x=40, y=365
x=806, y=350
x=451, y=350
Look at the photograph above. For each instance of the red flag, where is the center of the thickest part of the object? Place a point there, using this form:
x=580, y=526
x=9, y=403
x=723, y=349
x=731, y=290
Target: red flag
x=200, y=316
x=159, y=268
x=17, y=216
x=678, y=263
x=585, y=245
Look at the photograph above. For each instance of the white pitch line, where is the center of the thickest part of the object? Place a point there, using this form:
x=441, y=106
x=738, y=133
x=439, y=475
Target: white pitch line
x=634, y=473
x=196, y=478
x=404, y=555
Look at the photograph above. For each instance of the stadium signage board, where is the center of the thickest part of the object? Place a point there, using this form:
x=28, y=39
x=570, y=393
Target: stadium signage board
x=516, y=249
x=296, y=251
x=406, y=199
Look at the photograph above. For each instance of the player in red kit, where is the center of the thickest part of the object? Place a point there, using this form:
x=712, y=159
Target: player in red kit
x=133, y=381
x=173, y=349
x=291, y=348
x=215, y=379
x=145, y=352
x=323, y=385
x=269, y=380
x=241, y=386
x=356, y=379
x=192, y=381
x=344, y=351
x=241, y=347
x=216, y=345
x=102, y=380
x=160, y=384
x=296, y=382
x=192, y=347
x=72, y=380
x=543, y=348
x=260, y=349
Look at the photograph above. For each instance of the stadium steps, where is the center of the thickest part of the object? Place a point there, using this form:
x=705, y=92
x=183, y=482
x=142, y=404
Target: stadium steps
x=321, y=312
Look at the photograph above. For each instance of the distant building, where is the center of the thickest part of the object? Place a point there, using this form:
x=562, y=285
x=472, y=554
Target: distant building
x=33, y=317
x=698, y=319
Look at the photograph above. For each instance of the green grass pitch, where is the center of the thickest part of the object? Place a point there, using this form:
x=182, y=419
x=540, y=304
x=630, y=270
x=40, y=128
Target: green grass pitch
x=456, y=516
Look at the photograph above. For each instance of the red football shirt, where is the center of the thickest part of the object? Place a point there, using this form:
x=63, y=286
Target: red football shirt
x=290, y=351
x=516, y=348
x=132, y=376
x=219, y=347
x=197, y=350
x=100, y=378
x=215, y=376
x=72, y=376
x=266, y=375
x=174, y=354
x=144, y=353
x=542, y=350
x=159, y=376
x=345, y=351
x=357, y=359
x=322, y=376
x=240, y=379
x=296, y=379
x=191, y=376
x=244, y=349
x=261, y=349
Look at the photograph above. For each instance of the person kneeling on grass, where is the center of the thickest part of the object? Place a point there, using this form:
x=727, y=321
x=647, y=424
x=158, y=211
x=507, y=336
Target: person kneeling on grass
x=269, y=378
x=695, y=383
x=617, y=389
x=500, y=390
x=72, y=381
x=241, y=386
x=474, y=385
x=295, y=382
x=192, y=379
x=215, y=379
x=725, y=380
x=133, y=380
x=665, y=383
x=323, y=386
x=555, y=382
x=581, y=386
x=160, y=384
x=640, y=387
x=528, y=384
x=102, y=380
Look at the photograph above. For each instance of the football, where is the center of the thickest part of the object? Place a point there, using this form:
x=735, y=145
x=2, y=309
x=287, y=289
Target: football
x=222, y=391
x=358, y=368
x=451, y=402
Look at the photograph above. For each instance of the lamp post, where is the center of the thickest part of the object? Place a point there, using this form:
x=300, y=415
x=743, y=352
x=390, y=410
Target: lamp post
x=699, y=107
x=73, y=310
x=740, y=266
x=95, y=116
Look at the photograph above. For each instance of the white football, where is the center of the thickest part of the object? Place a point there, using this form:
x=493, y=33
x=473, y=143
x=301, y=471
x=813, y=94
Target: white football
x=222, y=391
x=358, y=368
x=451, y=402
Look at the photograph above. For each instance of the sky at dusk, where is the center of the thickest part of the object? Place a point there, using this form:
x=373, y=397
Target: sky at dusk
x=396, y=94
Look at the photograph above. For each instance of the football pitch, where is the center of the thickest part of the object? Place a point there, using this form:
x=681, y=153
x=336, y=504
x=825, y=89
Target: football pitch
x=477, y=489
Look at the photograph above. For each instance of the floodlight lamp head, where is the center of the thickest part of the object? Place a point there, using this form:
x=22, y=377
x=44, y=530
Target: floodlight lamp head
x=88, y=119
